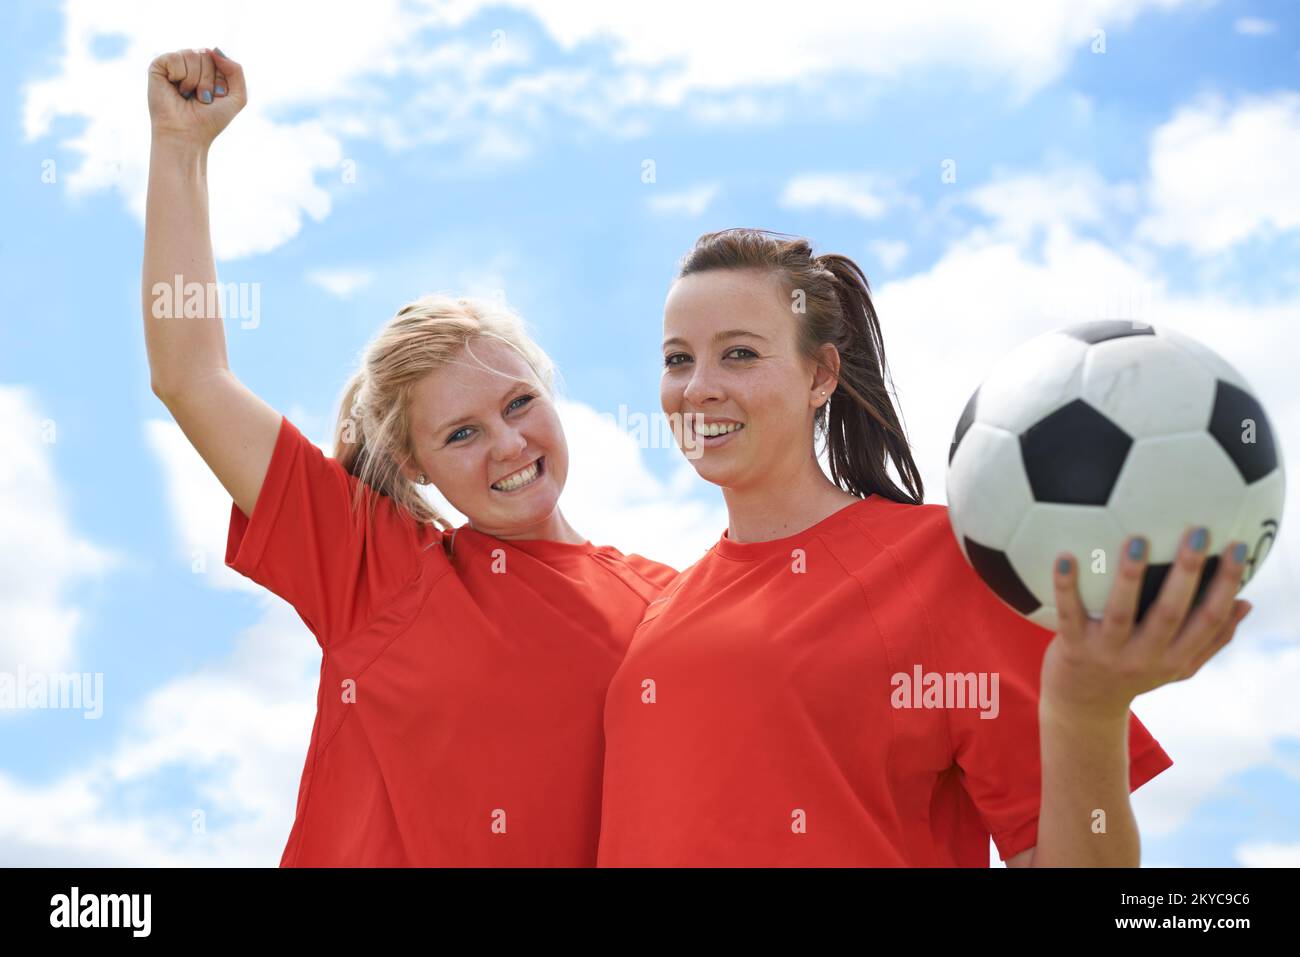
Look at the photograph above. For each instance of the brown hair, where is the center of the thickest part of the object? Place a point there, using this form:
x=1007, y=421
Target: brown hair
x=859, y=423
x=372, y=437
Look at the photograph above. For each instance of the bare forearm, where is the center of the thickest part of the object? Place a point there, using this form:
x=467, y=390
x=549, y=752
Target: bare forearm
x=182, y=348
x=1086, y=818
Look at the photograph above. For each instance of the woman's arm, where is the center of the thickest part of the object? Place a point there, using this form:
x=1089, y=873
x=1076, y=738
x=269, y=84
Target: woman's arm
x=1085, y=766
x=231, y=428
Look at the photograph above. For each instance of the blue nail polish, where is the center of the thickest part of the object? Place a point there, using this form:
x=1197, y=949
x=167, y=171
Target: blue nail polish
x=1239, y=552
x=1063, y=566
x=206, y=96
x=1198, y=538
x=221, y=90
x=1137, y=547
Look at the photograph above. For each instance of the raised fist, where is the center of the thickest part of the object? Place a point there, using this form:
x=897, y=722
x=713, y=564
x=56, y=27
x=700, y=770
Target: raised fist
x=193, y=94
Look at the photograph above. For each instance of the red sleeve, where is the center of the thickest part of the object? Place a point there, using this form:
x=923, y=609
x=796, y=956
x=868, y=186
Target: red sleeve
x=306, y=542
x=999, y=757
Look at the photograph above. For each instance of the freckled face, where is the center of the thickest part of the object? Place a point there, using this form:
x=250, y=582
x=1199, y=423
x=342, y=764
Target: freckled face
x=731, y=363
x=490, y=439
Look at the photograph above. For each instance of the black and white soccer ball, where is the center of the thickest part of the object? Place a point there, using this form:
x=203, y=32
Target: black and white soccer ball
x=1086, y=435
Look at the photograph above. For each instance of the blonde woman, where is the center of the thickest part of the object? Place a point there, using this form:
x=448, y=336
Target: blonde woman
x=464, y=669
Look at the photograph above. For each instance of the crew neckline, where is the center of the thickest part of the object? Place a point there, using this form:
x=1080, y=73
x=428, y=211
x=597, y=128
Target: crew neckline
x=543, y=548
x=748, y=551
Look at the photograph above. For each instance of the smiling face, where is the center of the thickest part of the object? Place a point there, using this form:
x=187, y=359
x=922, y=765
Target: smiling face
x=732, y=363
x=490, y=440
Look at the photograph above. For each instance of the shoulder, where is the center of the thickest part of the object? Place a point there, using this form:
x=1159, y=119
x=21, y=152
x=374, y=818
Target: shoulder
x=908, y=556
x=919, y=537
x=379, y=518
x=891, y=522
x=655, y=573
x=646, y=577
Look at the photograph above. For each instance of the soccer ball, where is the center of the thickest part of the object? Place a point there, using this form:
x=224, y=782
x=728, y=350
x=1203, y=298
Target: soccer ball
x=1086, y=435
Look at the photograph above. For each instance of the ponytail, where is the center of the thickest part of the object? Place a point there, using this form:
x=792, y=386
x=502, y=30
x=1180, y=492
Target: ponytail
x=863, y=428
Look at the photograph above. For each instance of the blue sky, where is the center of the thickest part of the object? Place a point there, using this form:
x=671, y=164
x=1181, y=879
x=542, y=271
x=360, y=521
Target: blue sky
x=500, y=149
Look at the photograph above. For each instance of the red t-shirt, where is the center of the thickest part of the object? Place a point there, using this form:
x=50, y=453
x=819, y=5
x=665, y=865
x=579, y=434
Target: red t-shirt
x=774, y=738
x=458, y=720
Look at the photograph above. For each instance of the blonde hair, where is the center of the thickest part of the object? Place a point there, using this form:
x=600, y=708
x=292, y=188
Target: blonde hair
x=372, y=438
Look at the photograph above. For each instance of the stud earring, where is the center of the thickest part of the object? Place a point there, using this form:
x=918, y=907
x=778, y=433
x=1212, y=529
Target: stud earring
x=420, y=479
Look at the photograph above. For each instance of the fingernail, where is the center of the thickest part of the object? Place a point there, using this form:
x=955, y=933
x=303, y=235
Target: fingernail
x=1063, y=566
x=187, y=95
x=1239, y=552
x=1198, y=538
x=218, y=49
x=1137, y=547
x=206, y=96
x=221, y=90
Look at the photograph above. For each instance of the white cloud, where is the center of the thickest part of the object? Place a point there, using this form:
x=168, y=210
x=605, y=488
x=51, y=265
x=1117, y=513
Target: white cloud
x=736, y=109
x=1260, y=854
x=1223, y=722
x=262, y=174
x=200, y=507
x=340, y=282
x=890, y=252
x=863, y=195
x=41, y=555
x=732, y=43
x=1221, y=174
x=489, y=97
x=687, y=202
x=1254, y=26
x=1070, y=195
x=235, y=732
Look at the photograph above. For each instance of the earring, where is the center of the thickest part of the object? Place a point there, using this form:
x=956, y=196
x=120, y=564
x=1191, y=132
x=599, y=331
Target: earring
x=420, y=479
